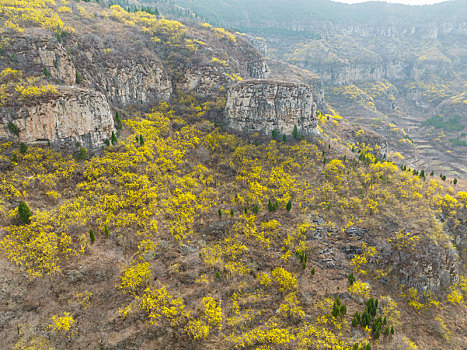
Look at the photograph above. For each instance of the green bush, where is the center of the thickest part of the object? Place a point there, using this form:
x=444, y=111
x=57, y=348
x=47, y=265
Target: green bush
x=446, y=123
x=82, y=153
x=24, y=213
x=13, y=128
x=23, y=148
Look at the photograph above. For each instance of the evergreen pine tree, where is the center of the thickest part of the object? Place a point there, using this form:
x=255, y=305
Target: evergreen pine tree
x=106, y=231
x=118, y=120
x=343, y=310
x=141, y=140
x=92, y=236
x=82, y=153
x=351, y=278
x=231, y=212
x=220, y=213
x=24, y=213
x=289, y=205
x=295, y=132
x=113, y=138
x=13, y=128
x=78, y=77
x=23, y=148
x=255, y=209
x=274, y=134
x=284, y=138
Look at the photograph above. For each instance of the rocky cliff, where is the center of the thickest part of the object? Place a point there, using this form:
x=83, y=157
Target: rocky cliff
x=67, y=119
x=261, y=106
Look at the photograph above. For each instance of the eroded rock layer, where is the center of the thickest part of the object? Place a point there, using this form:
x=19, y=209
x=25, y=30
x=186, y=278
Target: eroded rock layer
x=261, y=106
x=73, y=117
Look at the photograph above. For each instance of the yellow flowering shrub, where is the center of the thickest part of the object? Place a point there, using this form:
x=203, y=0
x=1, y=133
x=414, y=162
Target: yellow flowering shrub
x=135, y=277
x=284, y=279
x=360, y=289
x=161, y=307
x=455, y=297
x=291, y=307
x=63, y=323
x=197, y=329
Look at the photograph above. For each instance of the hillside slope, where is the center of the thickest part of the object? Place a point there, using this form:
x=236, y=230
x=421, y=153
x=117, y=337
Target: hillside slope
x=178, y=233
x=395, y=64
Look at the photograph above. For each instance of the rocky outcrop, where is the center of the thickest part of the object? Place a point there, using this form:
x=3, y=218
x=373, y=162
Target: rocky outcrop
x=205, y=80
x=432, y=268
x=67, y=119
x=261, y=106
x=258, y=69
x=38, y=53
x=127, y=73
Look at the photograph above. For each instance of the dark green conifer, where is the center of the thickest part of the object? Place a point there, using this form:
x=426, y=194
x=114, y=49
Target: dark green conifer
x=289, y=205
x=141, y=140
x=118, y=120
x=274, y=134
x=24, y=213
x=113, y=138
x=13, y=128
x=295, y=132
x=23, y=148
x=92, y=236
x=106, y=231
x=343, y=310
x=78, y=77
x=351, y=278
x=82, y=153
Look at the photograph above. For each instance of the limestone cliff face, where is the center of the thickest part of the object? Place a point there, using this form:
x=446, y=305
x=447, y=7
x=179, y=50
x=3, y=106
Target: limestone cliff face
x=261, y=106
x=71, y=117
x=39, y=53
x=125, y=72
x=431, y=269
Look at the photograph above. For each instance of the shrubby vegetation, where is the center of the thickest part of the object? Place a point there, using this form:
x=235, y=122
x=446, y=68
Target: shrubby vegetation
x=153, y=189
